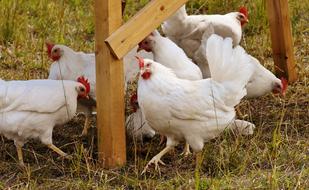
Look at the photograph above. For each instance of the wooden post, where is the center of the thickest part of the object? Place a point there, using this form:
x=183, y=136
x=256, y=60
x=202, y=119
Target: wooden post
x=281, y=37
x=141, y=25
x=109, y=87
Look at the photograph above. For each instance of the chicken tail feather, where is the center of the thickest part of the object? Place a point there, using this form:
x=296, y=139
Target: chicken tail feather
x=229, y=66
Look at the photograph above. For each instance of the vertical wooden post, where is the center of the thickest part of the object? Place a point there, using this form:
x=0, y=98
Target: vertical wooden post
x=281, y=37
x=109, y=87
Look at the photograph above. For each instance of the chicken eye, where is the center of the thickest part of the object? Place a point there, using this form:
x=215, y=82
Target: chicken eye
x=82, y=89
x=148, y=65
x=55, y=50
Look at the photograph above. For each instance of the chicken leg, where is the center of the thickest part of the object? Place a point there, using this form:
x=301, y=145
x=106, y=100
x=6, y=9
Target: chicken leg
x=20, y=155
x=186, y=152
x=58, y=151
x=86, y=106
x=157, y=159
x=86, y=125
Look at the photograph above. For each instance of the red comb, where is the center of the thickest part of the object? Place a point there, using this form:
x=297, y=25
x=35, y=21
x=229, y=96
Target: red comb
x=140, y=61
x=244, y=11
x=133, y=101
x=85, y=82
x=284, y=83
x=49, y=48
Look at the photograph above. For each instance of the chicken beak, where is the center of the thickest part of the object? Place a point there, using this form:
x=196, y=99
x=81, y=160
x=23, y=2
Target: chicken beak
x=139, y=49
x=142, y=70
x=283, y=94
x=284, y=83
x=279, y=92
x=140, y=62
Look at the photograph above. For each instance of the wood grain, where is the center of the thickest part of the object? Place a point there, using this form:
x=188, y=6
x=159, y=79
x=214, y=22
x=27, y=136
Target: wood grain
x=141, y=25
x=282, y=40
x=110, y=89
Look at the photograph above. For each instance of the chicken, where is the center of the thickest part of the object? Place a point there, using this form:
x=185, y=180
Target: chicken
x=31, y=109
x=170, y=55
x=136, y=125
x=195, y=111
x=187, y=30
x=261, y=82
x=68, y=65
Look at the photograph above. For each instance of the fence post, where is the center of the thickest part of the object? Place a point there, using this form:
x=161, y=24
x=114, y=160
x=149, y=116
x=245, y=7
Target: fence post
x=109, y=87
x=281, y=37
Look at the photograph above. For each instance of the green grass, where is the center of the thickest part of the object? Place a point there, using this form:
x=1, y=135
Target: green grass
x=275, y=157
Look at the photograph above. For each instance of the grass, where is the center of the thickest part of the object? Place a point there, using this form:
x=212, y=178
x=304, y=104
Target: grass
x=275, y=157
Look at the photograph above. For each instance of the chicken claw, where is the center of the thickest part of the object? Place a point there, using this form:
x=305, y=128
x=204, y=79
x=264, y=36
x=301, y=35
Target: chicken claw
x=157, y=159
x=60, y=152
x=186, y=152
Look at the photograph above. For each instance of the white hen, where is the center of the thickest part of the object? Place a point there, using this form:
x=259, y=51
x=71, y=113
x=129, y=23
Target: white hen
x=261, y=82
x=31, y=109
x=68, y=65
x=166, y=52
x=136, y=125
x=195, y=111
x=187, y=30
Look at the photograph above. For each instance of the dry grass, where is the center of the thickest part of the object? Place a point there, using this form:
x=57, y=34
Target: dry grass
x=275, y=157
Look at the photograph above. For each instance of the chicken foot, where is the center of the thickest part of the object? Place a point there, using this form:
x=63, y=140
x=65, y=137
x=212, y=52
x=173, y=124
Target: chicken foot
x=157, y=159
x=59, y=151
x=186, y=152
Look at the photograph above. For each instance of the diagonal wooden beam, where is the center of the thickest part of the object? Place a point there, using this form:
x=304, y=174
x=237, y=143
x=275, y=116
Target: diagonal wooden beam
x=282, y=39
x=109, y=87
x=142, y=24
